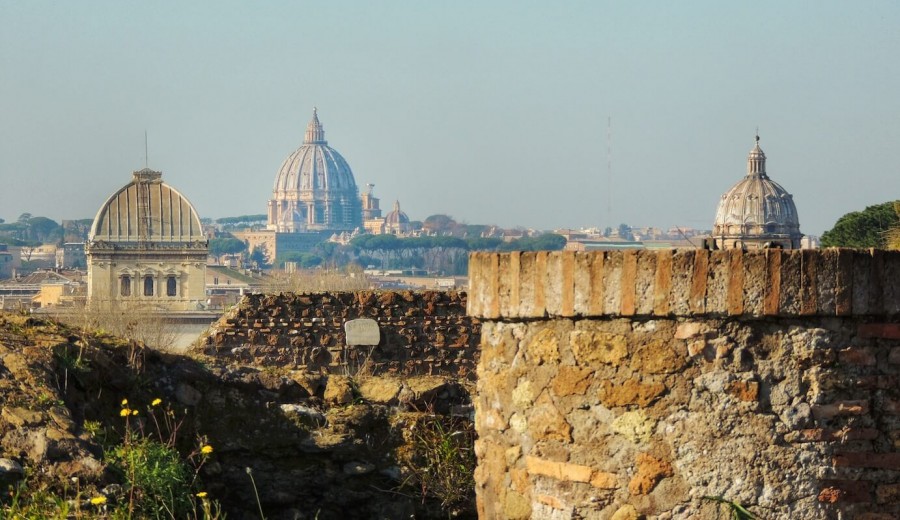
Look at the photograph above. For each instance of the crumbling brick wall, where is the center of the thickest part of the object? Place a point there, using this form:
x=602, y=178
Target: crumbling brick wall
x=637, y=384
x=424, y=332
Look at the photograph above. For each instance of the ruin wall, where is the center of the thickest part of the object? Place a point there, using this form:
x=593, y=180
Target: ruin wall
x=682, y=384
x=421, y=333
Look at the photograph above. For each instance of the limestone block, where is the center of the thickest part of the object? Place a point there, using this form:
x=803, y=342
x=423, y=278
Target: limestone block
x=718, y=275
x=543, y=347
x=545, y=422
x=630, y=392
x=592, y=347
x=650, y=471
x=755, y=282
x=645, y=282
x=789, y=298
x=572, y=381
x=635, y=426
x=680, y=286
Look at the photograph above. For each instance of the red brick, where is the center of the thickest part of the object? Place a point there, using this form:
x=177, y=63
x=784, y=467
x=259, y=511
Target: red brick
x=773, y=279
x=891, y=406
x=663, y=282
x=808, y=261
x=845, y=491
x=864, y=356
x=849, y=434
x=894, y=356
x=629, y=277
x=698, y=282
x=879, y=330
x=827, y=411
x=744, y=390
x=889, y=461
x=888, y=494
x=735, y=288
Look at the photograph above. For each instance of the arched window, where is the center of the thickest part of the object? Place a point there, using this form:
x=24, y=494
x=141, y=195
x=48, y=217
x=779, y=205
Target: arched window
x=171, y=286
x=125, y=286
x=148, y=286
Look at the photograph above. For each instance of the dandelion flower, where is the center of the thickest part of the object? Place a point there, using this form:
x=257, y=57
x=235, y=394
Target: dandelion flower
x=124, y=402
x=134, y=412
x=125, y=412
x=98, y=501
x=201, y=494
x=156, y=402
x=206, y=449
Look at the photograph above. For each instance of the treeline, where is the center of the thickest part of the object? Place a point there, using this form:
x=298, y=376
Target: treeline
x=29, y=230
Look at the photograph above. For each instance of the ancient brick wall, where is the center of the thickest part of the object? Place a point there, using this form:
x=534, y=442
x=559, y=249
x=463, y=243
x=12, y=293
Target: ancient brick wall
x=421, y=333
x=636, y=384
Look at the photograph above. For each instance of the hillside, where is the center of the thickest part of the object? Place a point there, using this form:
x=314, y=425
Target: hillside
x=87, y=416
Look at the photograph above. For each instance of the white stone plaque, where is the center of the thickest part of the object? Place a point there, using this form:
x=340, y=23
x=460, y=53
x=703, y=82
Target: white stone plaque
x=362, y=332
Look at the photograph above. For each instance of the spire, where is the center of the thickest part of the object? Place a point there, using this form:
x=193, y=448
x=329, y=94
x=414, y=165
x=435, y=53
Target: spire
x=396, y=205
x=314, y=131
x=756, y=161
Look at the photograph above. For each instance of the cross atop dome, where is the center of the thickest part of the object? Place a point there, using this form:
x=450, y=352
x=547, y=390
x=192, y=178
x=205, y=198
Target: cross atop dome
x=315, y=134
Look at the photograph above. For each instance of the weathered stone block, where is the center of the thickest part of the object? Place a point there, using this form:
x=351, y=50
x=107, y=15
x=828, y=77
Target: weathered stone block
x=591, y=347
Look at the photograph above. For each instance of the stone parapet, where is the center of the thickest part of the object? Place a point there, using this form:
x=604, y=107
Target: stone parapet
x=773, y=282
x=637, y=385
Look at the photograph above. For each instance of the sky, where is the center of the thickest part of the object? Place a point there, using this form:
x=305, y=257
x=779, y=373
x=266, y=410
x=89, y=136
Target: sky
x=515, y=113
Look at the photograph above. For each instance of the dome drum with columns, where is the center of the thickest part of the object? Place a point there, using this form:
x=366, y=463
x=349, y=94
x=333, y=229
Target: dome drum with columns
x=147, y=246
x=757, y=213
x=314, y=189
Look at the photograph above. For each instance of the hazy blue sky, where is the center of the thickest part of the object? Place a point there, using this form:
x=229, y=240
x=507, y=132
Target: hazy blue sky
x=492, y=112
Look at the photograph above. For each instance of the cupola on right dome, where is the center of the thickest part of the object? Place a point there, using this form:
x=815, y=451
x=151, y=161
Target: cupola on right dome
x=757, y=213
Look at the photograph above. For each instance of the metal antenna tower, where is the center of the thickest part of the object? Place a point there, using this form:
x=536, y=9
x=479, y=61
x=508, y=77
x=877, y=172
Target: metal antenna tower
x=609, y=171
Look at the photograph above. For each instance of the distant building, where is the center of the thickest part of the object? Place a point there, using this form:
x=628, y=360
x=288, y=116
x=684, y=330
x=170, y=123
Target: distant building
x=147, y=246
x=314, y=189
x=71, y=256
x=6, y=262
x=756, y=212
x=396, y=222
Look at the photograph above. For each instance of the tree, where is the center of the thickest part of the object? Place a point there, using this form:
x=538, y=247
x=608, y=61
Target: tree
x=226, y=246
x=439, y=224
x=258, y=256
x=625, y=232
x=863, y=229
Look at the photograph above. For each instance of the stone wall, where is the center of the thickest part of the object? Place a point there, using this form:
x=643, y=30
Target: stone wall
x=642, y=384
x=422, y=333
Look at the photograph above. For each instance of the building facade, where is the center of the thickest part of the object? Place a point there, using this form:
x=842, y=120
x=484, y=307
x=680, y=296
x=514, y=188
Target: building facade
x=756, y=213
x=147, y=246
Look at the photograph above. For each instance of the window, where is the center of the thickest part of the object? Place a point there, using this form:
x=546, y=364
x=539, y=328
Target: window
x=171, y=286
x=125, y=289
x=148, y=286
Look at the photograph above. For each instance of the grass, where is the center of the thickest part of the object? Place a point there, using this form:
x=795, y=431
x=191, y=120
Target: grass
x=442, y=462
x=738, y=512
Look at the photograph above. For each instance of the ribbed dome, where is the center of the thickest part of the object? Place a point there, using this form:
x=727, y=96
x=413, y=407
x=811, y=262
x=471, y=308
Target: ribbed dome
x=314, y=166
x=757, y=210
x=314, y=188
x=147, y=210
x=396, y=216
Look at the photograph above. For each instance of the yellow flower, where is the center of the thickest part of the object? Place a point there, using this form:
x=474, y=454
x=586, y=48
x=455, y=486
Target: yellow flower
x=98, y=501
x=134, y=412
x=125, y=412
x=124, y=402
x=201, y=494
x=156, y=402
x=206, y=449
